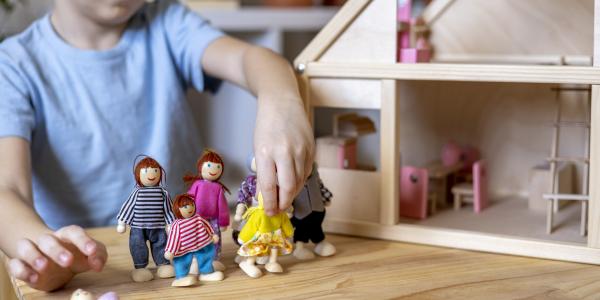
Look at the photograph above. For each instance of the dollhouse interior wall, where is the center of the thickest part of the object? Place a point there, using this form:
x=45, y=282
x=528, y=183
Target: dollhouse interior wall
x=508, y=123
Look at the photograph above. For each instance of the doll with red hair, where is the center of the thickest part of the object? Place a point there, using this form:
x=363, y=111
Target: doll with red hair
x=148, y=212
x=191, y=236
x=209, y=196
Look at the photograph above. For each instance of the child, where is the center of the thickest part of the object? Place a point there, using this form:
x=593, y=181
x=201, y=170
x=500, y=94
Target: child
x=95, y=82
x=191, y=236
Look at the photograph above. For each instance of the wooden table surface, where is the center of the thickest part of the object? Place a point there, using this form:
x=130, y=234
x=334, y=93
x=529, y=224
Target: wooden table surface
x=362, y=269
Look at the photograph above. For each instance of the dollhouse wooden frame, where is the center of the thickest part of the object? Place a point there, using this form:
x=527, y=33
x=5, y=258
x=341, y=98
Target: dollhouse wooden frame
x=352, y=64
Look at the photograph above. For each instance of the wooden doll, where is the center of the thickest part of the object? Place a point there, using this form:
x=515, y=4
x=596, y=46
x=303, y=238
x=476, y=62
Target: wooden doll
x=263, y=235
x=147, y=211
x=190, y=237
x=80, y=294
x=209, y=196
x=246, y=197
x=309, y=213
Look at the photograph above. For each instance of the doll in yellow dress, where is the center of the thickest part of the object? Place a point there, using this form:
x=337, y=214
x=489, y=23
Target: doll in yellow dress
x=264, y=236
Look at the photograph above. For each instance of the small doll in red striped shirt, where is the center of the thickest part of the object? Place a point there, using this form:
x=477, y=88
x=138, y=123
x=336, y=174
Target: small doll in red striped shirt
x=191, y=236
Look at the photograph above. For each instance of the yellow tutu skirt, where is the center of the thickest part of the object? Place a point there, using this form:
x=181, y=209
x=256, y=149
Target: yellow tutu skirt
x=262, y=243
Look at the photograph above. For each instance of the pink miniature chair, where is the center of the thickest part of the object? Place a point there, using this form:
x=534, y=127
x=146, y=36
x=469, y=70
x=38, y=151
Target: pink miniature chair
x=476, y=191
x=414, y=192
x=451, y=154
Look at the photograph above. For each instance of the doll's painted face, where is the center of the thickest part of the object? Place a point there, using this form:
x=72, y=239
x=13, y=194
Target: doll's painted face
x=187, y=210
x=211, y=170
x=150, y=176
x=80, y=294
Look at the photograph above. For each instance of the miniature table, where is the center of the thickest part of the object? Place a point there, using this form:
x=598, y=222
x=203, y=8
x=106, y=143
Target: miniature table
x=363, y=268
x=438, y=173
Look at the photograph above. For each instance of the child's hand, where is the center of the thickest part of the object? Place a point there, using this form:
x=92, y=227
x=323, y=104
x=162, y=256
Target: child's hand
x=284, y=145
x=53, y=259
x=215, y=238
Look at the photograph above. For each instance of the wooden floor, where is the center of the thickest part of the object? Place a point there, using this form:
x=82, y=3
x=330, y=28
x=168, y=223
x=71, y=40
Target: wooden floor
x=363, y=269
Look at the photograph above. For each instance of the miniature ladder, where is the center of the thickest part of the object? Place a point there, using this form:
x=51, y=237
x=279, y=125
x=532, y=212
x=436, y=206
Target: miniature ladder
x=554, y=159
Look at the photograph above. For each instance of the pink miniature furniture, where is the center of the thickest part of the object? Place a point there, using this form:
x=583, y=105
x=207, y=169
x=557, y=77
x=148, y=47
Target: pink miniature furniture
x=476, y=191
x=412, y=48
x=414, y=191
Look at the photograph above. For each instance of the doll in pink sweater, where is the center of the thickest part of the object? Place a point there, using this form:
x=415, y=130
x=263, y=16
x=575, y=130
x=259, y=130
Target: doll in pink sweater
x=209, y=195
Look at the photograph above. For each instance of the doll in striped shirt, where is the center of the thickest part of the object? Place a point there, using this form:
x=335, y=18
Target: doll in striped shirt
x=147, y=211
x=191, y=236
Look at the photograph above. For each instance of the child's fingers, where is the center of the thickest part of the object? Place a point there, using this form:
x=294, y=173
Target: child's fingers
x=267, y=182
x=20, y=270
x=52, y=248
x=299, y=164
x=29, y=253
x=286, y=175
x=78, y=237
x=308, y=163
x=98, y=260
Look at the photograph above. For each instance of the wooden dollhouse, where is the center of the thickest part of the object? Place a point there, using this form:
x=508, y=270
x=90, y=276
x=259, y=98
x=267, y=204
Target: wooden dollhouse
x=494, y=64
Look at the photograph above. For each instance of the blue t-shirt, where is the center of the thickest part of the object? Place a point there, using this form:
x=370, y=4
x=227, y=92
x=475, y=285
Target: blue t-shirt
x=87, y=114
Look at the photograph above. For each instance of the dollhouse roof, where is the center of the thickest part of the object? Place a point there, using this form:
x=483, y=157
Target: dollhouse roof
x=501, y=41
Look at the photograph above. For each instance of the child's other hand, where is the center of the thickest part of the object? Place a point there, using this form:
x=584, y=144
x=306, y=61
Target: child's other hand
x=284, y=147
x=53, y=259
x=215, y=238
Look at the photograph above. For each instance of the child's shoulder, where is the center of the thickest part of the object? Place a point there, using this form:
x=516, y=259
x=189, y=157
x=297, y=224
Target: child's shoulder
x=22, y=47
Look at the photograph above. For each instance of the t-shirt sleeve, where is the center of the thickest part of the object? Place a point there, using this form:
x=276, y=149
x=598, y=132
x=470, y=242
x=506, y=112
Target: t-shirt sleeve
x=188, y=35
x=16, y=110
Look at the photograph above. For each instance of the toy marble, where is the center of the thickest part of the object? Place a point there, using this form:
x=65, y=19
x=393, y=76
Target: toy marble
x=309, y=213
x=209, y=196
x=147, y=211
x=191, y=236
x=263, y=235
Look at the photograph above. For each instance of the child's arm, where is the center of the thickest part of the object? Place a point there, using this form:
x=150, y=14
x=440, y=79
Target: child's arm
x=283, y=138
x=46, y=260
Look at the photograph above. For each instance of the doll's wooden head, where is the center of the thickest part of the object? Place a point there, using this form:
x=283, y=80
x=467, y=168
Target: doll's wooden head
x=184, y=206
x=210, y=165
x=148, y=172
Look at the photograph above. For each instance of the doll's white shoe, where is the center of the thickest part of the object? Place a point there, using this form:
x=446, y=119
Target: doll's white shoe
x=214, y=276
x=302, y=253
x=185, y=281
x=238, y=259
x=262, y=260
x=165, y=271
x=194, y=267
x=141, y=275
x=325, y=248
x=273, y=267
x=250, y=269
x=218, y=266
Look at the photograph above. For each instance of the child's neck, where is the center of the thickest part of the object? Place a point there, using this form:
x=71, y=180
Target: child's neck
x=83, y=33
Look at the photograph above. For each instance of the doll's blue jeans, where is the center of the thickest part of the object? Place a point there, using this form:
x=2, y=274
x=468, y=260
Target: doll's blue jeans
x=139, y=250
x=204, y=257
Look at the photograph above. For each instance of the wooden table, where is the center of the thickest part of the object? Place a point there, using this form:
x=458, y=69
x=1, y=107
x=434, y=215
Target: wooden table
x=363, y=269
x=438, y=174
